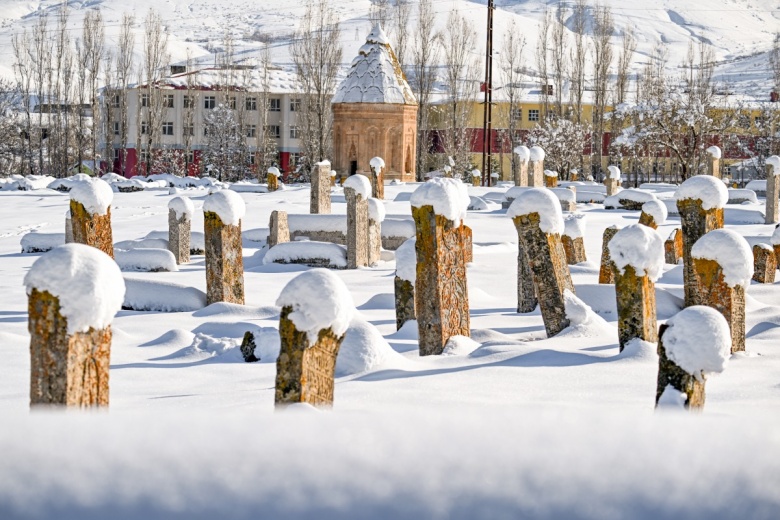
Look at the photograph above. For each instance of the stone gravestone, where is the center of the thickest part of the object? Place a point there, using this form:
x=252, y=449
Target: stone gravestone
x=521, y=171
x=68, y=228
x=405, y=279
x=692, y=344
x=536, y=167
x=441, y=292
x=713, y=161
x=90, y=210
x=320, y=188
x=764, y=263
x=772, y=189
x=476, y=177
x=572, y=238
x=700, y=202
x=357, y=190
x=653, y=214
x=674, y=247
x=722, y=268
x=180, y=212
x=613, y=180
x=637, y=254
x=550, y=179
x=222, y=212
x=316, y=311
x=606, y=271
x=74, y=292
x=376, y=214
x=273, y=178
x=278, y=228
x=537, y=216
x=377, y=165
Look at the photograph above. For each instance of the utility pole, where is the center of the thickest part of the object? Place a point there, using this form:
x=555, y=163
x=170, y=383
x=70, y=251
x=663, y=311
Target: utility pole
x=487, y=125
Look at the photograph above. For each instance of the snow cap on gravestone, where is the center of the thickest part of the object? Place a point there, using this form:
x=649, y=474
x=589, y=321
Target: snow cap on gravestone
x=541, y=201
x=182, y=206
x=706, y=188
x=227, y=204
x=95, y=195
x=449, y=198
x=536, y=154
x=732, y=253
x=360, y=184
x=614, y=172
x=640, y=247
x=523, y=153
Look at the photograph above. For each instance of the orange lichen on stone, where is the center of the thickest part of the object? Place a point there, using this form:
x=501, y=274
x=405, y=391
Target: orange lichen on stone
x=635, y=306
x=575, y=249
x=673, y=247
x=647, y=220
x=671, y=374
x=224, y=261
x=696, y=222
x=764, y=264
x=606, y=272
x=92, y=230
x=710, y=289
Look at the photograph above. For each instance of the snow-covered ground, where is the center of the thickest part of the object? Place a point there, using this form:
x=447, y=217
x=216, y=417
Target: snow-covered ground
x=510, y=425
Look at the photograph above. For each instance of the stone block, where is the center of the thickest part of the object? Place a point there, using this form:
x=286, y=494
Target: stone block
x=404, y=302
x=179, y=237
x=709, y=288
x=320, y=189
x=669, y=374
x=92, y=230
x=575, y=249
x=278, y=228
x=635, y=306
x=764, y=263
x=607, y=269
x=224, y=261
x=357, y=230
x=673, y=247
x=696, y=222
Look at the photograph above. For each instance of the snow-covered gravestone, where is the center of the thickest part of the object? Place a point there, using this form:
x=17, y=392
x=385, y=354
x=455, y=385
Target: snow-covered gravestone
x=405, y=278
x=673, y=247
x=700, y=202
x=772, y=189
x=573, y=241
x=550, y=179
x=637, y=254
x=278, y=228
x=606, y=270
x=180, y=211
x=68, y=228
x=320, y=188
x=613, y=180
x=476, y=177
x=74, y=291
x=90, y=211
x=273, y=178
x=521, y=171
x=713, y=161
x=377, y=165
x=316, y=312
x=537, y=216
x=653, y=214
x=775, y=241
x=692, y=344
x=723, y=267
x=222, y=212
x=441, y=292
x=764, y=263
x=376, y=214
x=536, y=166
x=357, y=190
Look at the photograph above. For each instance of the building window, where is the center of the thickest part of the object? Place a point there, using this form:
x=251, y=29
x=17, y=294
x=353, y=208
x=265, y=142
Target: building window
x=295, y=157
x=294, y=132
x=295, y=105
x=116, y=154
x=517, y=114
x=116, y=127
x=187, y=102
x=145, y=156
x=533, y=115
x=251, y=131
x=251, y=159
x=167, y=128
x=144, y=100
x=274, y=131
x=209, y=102
x=231, y=102
x=251, y=103
x=190, y=156
x=144, y=128
x=205, y=131
x=188, y=130
x=275, y=105
x=168, y=101
x=115, y=100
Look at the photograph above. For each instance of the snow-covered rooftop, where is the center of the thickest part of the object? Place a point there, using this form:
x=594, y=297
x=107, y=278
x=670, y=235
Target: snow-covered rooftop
x=375, y=75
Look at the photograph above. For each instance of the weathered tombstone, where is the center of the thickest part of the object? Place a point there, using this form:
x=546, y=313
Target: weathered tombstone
x=537, y=216
x=90, y=210
x=180, y=211
x=278, y=228
x=674, y=247
x=476, y=177
x=273, y=178
x=73, y=291
x=521, y=172
x=637, y=254
x=405, y=279
x=320, y=188
x=536, y=167
x=447, y=169
x=775, y=241
x=222, y=212
x=333, y=176
x=376, y=214
x=764, y=263
x=573, y=241
x=357, y=190
x=700, y=202
x=612, y=180
x=574, y=175
x=68, y=228
x=722, y=268
x=468, y=243
x=654, y=214
x=316, y=312
x=713, y=161
x=772, y=189
x=377, y=165
x=550, y=179
x=606, y=271
x=441, y=291
x=692, y=344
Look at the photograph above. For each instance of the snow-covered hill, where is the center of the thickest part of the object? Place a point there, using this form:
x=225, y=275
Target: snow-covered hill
x=739, y=31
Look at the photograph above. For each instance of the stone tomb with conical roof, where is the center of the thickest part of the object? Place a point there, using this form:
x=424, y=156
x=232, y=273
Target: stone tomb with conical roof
x=375, y=113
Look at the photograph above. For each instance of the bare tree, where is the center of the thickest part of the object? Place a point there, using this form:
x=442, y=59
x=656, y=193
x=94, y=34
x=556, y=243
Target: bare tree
x=512, y=75
x=124, y=74
x=425, y=55
x=774, y=61
x=156, y=61
x=89, y=53
x=578, y=56
x=624, y=65
x=379, y=12
x=266, y=143
x=542, y=60
x=602, y=61
x=399, y=28
x=559, y=52
x=24, y=72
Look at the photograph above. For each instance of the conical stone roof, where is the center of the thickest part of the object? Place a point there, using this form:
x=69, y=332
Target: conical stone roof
x=375, y=75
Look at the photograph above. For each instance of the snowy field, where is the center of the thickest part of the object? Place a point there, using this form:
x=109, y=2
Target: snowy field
x=510, y=425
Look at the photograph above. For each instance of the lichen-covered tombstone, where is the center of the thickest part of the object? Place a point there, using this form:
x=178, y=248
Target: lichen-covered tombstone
x=405, y=279
x=377, y=165
x=692, y=344
x=772, y=189
x=319, y=202
x=637, y=254
x=713, y=161
x=180, y=212
x=74, y=291
x=700, y=202
x=573, y=238
x=376, y=214
x=653, y=214
x=476, y=177
x=612, y=180
x=536, y=167
x=673, y=247
x=606, y=270
x=222, y=212
x=357, y=190
x=764, y=263
x=316, y=311
x=278, y=228
x=68, y=228
x=550, y=179
x=90, y=210
x=521, y=169
x=273, y=178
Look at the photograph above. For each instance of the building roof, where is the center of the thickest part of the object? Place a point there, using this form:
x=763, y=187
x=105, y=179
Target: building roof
x=375, y=75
